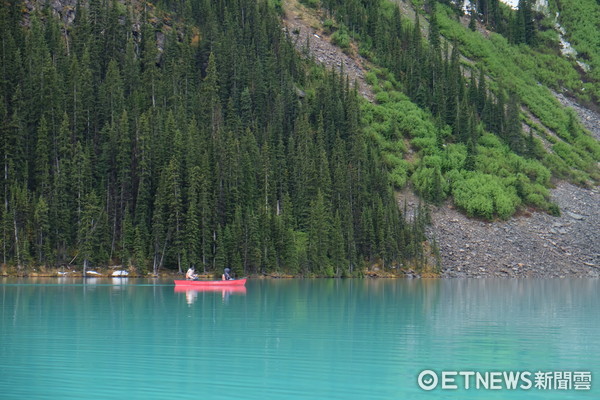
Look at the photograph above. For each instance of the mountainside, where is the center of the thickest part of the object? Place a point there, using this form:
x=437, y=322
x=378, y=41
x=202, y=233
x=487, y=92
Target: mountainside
x=472, y=248
x=191, y=133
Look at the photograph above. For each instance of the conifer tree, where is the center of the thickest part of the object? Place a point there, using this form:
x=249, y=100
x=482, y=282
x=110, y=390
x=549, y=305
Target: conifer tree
x=174, y=209
x=161, y=231
x=143, y=182
x=473, y=19
x=210, y=95
x=513, y=135
x=86, y=121
x=88, y=230
x=80, y=176
x=41, y=221
x=60, y=204
x=319, y=229
x=339, y=258
x=434, y=29
x=111, y=94
x=150, y=72
x=192, y=240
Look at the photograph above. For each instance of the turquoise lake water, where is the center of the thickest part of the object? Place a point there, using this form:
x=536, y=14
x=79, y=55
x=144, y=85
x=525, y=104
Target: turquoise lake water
x=294, y=339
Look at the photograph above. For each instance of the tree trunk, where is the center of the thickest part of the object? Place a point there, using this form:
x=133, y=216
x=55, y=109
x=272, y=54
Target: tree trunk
x=41, y=244
x=17, y=240
x=4, y=233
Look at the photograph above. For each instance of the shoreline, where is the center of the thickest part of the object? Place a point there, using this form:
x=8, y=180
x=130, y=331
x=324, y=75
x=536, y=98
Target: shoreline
x=448, y=273
x=106, y=272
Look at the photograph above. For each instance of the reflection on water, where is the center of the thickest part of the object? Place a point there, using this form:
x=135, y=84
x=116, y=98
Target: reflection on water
x=289, y=339
x=192, y=293
x=119, y=283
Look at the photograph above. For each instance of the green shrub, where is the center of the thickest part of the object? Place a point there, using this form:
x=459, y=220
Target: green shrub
x=392, y=160
x=557, y=165
x=382, y=97
x=341, y=38
x=491, y=141
x=453, y=176
x=554, y=209
x=329, y=26
x=430, y=184
x=399, y=176
x=536, y=200
x=454, y=157
x=564, y=151
x=394, y=146
x=589, y=145
x=426, y=144
x=371, y=78
x=486, y=196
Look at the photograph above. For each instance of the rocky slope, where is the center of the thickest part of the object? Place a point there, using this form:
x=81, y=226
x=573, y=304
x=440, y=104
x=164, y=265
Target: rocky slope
x=590, y=119
x=304, y=28
x=535, y=245
x=532, y=244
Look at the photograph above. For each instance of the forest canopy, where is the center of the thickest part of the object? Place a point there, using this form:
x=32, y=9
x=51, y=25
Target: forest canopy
x=186, y=134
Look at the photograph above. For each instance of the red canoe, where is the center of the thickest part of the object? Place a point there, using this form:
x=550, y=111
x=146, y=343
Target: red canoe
x=233, y=282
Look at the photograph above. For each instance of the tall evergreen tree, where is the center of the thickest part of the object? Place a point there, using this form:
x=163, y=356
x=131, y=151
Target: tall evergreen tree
x=41, y=221
x=319, y=229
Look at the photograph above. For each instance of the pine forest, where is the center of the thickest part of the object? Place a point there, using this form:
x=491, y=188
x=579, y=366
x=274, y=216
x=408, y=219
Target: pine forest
x=208, y=142
x=160, y=136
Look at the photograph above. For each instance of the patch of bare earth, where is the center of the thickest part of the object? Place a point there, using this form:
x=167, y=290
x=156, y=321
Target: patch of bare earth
x=306, y=30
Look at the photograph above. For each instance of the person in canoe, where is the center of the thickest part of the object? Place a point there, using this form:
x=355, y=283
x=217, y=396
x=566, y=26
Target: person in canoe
x=226, y=276
x=190, y=275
